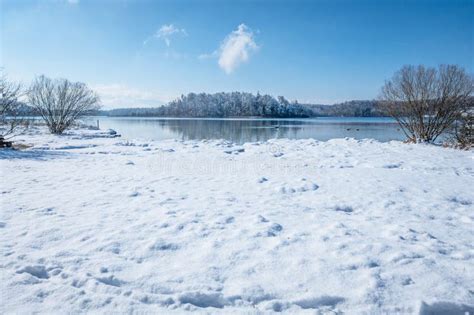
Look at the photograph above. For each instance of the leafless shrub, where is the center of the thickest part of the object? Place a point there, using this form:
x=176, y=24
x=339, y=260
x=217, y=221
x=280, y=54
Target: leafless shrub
x=426, y=101
x=11, y=117
x=60, y=102
x=463, y=128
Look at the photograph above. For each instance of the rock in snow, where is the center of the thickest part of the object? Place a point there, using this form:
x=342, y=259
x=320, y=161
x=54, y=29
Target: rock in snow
x=330, y=227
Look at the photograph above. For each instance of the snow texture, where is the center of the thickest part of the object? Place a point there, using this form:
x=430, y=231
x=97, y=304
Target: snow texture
x=95, y=223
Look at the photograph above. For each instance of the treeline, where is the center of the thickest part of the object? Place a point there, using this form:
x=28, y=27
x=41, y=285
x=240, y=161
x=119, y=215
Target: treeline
x=240, y=104
x=357, y=108
x=235, y=104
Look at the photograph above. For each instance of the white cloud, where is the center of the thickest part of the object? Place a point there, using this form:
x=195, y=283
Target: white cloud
x=73, y=1
x=119, y=96
x=236, y=48
x=165, y=32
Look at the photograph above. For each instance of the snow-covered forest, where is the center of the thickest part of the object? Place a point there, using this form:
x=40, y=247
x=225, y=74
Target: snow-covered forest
x=234, y=104
x=243, y=104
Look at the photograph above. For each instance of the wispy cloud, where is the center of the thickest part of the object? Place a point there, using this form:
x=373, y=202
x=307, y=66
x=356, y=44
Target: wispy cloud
x=214, y=54
x=165, y=32
x=72, y=1
x=119, y=95
x=235, y=49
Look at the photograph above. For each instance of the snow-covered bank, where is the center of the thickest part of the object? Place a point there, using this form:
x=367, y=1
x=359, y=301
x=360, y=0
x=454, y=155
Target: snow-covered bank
x=109, y=225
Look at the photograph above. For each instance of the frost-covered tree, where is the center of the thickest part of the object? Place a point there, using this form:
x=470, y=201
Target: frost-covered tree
x=61, y=102
x=427, y=101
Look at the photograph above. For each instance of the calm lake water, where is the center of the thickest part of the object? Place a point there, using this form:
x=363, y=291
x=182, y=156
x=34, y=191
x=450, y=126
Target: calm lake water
x=248, y=130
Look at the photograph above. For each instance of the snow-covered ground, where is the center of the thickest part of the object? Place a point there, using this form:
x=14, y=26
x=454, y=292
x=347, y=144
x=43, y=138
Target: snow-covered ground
x=99, y=224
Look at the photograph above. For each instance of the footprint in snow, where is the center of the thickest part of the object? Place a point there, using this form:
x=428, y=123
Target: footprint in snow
x=393, y=165
x=274, y=230
x=406, y=280
x=287, y=190
x=162, y=246
x=110, y=280
x=445, y=308
x=229, y=220
x=346, y=209
x=325, y=300
x=308, y=187
x=201, y=299
x=234, y=150
x=47, y=211
x=460, y=200
x=38, y=271
x=302, y=188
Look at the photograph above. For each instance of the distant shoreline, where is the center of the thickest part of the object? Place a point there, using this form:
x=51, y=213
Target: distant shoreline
x=234, y=117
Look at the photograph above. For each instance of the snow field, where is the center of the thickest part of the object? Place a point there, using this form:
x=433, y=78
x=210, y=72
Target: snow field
x=91, y=223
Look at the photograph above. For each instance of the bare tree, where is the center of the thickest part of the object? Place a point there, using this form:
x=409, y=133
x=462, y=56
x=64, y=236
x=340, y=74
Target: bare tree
x=10, y=108
x=426, y=101
x=61, y=102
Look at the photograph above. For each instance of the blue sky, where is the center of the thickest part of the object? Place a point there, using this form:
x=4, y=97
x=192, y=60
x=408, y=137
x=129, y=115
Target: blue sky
x=144, y=53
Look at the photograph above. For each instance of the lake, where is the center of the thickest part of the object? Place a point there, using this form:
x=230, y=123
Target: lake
x=242, y=130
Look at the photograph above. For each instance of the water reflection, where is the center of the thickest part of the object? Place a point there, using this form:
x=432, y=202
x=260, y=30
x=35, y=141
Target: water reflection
x=235, y=130
x=249, y=130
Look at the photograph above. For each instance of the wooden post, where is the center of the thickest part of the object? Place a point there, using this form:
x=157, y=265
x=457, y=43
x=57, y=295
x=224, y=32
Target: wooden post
x=98, y=124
